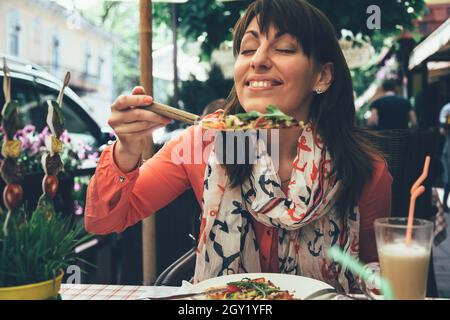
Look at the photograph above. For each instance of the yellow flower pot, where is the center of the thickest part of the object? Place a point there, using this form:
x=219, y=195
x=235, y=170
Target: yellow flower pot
x=36, y=291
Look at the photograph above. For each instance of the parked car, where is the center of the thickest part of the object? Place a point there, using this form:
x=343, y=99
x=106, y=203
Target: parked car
x=32, y=86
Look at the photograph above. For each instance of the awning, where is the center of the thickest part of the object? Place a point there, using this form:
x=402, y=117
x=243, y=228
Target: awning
x=437, y=70
x=436, y=47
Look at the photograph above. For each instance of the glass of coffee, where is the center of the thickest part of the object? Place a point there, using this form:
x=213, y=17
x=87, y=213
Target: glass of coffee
x=404, y=266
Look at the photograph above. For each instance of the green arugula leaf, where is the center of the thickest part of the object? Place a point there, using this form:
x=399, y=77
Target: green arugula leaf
x=272, y=113
x=249, y=115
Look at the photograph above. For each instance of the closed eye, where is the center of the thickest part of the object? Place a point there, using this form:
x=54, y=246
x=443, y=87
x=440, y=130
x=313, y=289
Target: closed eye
x=246, y=52
x=285, y=50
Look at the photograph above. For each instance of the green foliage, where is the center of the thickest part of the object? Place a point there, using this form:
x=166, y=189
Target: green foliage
x=195, y=94
x=122, y=20
x=362, y=78
x=209, y=19
x=73, y=155
x=214, y=20
x=352, y=14
x=38, y=246
x=272, y=112
x=79, y=194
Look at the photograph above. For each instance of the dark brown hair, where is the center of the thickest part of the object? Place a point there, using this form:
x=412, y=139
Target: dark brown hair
x=389, y=85
x=332, y=112
x=213, y=106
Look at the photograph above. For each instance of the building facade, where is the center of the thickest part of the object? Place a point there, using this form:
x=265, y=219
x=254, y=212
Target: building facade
x=437, y=12
x=60, y=40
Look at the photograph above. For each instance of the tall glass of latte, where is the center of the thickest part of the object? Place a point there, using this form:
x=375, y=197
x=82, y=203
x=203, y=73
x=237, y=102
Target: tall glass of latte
x=404, y=266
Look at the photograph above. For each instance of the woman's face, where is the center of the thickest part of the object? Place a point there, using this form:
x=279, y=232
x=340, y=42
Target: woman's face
x=273, y=70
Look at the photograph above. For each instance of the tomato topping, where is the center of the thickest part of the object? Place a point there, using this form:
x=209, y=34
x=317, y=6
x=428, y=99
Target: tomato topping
x=232, y=288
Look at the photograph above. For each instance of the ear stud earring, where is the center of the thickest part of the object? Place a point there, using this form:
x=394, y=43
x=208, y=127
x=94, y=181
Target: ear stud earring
x=319, y=91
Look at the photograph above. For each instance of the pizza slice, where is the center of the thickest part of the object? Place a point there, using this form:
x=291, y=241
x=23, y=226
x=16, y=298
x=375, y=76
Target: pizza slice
x=272, y=119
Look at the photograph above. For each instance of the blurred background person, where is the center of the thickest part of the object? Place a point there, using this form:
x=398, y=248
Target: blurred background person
x=391, y=111
x=444, y=122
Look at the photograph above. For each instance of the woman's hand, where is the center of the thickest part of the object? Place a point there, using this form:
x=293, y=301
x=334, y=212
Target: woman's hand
x=133, y=126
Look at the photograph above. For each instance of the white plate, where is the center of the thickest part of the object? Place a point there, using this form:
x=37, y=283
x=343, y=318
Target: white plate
x=300, y=287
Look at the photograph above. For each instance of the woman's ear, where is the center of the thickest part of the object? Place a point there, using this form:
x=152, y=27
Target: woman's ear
x=324, y=78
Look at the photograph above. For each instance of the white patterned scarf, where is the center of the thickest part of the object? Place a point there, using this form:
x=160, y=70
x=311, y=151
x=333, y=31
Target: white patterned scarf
x=306, y=220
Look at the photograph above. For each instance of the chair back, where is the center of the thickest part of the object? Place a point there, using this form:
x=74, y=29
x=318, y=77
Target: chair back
x=182, y=269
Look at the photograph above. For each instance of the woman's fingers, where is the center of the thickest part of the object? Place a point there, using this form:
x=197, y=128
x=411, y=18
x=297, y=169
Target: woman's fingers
x=128, y=119
x=124, y=102
x=143, y=133
x=129, y=116
x=138, y=90
x=135, y=127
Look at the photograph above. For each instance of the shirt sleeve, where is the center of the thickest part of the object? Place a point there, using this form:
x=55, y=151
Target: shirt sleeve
x=117, y=200
x=375, y=202
x=408, y=105
x=374, y=104
x=444, y=113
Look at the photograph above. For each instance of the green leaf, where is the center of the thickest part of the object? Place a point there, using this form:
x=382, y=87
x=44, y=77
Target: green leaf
x=38, y=247
x=271, y=112
x=249, y=115
x=274, y=112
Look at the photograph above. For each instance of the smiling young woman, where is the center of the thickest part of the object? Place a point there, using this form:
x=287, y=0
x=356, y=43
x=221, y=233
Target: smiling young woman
x=327, y=190
x=287, y=54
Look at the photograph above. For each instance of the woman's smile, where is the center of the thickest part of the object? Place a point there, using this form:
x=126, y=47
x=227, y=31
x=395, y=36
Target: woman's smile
x=272, y=69
x=262, y=84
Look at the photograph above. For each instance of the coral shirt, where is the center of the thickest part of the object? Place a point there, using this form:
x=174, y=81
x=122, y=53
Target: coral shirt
x=117, y=200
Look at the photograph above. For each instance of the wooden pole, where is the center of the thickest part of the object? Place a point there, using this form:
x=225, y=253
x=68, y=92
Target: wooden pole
x=148, y=225
x=175, y=54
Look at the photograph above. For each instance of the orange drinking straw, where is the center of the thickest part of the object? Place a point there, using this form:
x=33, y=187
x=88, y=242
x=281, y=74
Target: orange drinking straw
x=416, y=190
x=423, y=176
x=412, y=205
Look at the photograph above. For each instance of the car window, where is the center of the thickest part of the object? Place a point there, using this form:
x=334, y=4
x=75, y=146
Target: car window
x=23, y=92
x=33, y=98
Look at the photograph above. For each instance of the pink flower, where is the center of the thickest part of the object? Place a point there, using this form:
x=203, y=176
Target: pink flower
x=65, y=137
x=29, y=128
x=77, y=186
x=93, y=156
x=81, y=154
x=45, y=132
x=78, y=209
x=34, y=149
x=26, y=143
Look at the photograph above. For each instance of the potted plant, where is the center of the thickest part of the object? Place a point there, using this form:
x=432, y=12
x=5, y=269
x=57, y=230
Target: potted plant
x=36, y=246
x=36, y=251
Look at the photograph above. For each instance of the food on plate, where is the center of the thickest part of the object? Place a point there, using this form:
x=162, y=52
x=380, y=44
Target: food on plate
x=250, y=289
x=272, y=119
